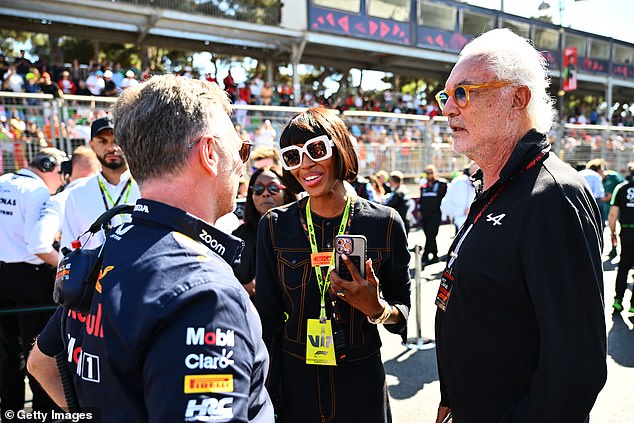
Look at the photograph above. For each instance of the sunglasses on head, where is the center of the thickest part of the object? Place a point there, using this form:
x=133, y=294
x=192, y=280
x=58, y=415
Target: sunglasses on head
x=460, y=93
x=273, y=188
x=317, y=149
x=245, y=149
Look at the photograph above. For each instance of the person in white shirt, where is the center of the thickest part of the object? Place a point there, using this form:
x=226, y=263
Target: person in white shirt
x=84, y=164
x=460, y=194
x=27, y=272
x=129, y=80
x=112, y=186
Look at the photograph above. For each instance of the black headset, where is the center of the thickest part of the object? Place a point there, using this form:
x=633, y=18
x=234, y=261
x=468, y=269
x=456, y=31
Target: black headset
x=46, y=164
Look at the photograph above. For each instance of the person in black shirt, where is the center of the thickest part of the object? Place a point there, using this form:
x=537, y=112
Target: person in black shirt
x=265, y=191
x=520, y=324
x=431, y=194
x=170, y=335
x=622, y=208
x=48, y=87
x=321, y=330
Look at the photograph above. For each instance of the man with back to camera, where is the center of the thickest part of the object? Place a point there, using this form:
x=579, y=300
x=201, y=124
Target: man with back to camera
x=622, y=209
x=171, y=334
x=112, y=186
x=520, y=333
x=83, y=165
x=27, y=271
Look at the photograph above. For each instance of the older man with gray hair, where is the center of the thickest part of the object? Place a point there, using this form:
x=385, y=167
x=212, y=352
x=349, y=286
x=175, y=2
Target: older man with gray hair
x=520, y=323
x=171, y=335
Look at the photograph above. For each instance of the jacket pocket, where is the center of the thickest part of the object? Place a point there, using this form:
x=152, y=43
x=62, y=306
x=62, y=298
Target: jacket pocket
x=294, y=268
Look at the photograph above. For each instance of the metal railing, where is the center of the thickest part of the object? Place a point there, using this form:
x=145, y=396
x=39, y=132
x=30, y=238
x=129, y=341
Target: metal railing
x=385, y=141
x=265, y=12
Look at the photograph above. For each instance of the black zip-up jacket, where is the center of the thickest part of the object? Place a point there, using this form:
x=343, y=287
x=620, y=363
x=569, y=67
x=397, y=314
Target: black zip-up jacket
x=523, y=337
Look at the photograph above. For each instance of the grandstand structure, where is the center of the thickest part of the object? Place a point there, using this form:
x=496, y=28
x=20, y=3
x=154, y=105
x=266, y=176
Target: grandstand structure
x=406, y=37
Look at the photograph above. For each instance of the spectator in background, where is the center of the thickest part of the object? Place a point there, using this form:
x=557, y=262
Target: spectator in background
x=4, y=67
x=432, y=191
x=95, y=82
x=27, y=273
x=230, y=86
x=48, y=87
x=256, y=86
x=593, y=174
x=82, y=88
x=117, y=76
x=266, y=95
x=611, y=179
x=383, y=177
x=129, y=80
x=33, y=133
x=399, y=199
x=266, y=157
x=66, y=84
x=109, y=87
x=265, y=135
x=376, y=192
x=622, y=209
x=286, y=93
x=22, y=64
x=265, y=191
x=13, y=81
x=32, y=87
x=460, y=195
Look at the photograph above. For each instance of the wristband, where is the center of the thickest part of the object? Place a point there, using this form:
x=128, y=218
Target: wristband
x=387, y=312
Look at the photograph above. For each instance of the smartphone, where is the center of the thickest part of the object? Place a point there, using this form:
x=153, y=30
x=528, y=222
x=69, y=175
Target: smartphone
x=353, y=246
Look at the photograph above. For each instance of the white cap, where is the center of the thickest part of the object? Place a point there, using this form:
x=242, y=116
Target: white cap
x=130, y=73
x=107, y=74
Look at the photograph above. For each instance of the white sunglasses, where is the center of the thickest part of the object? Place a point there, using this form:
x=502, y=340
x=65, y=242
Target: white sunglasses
x=317, y=149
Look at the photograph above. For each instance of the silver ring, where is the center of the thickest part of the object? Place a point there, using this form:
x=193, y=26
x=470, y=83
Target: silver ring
x=340, y=293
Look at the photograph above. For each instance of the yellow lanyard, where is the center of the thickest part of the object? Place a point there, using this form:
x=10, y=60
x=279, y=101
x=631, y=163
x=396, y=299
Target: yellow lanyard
x=324, y=284
x=105, y=193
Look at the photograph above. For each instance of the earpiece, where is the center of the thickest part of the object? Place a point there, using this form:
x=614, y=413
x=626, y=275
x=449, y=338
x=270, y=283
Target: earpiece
x=46, y=164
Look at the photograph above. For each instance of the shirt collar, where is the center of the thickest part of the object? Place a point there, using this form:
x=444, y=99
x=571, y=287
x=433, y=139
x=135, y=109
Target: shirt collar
x=226, y=246
x=526, y=149
x=30, y=174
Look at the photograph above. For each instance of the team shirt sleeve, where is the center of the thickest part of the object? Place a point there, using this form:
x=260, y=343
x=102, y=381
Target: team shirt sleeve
x=199, y=364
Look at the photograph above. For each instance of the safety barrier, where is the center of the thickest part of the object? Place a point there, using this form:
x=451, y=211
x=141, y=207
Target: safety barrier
x=386, y=141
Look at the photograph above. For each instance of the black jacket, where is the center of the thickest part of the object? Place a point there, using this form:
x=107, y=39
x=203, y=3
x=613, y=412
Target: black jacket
x=287, y=293
x=523, y=337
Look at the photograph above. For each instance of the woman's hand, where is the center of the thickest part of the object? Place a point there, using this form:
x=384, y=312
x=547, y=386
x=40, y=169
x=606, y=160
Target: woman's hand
x=362, y=294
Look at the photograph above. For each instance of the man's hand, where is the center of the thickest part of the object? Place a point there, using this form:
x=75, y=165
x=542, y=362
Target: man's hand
x=443, y=413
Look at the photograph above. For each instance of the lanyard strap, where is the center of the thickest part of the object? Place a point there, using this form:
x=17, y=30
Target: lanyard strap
x=463, y=235
x=104, y=193
x=312, y=239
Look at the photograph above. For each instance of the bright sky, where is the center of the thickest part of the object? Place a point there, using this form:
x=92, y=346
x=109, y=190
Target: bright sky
x=611, y=18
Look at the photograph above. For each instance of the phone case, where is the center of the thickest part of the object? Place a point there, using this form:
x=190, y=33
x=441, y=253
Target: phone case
x=354, y=246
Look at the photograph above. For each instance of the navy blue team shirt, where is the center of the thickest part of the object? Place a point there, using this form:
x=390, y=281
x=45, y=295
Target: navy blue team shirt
x=171, y=334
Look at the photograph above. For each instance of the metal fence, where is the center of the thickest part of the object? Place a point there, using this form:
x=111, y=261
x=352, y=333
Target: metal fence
x=385, y=141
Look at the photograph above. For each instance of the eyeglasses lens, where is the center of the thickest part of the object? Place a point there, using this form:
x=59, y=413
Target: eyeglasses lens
x=460, y=94
x=245, y=151
x=442, y=98
x=317, y=150
x=292, y=158
x=273, y=189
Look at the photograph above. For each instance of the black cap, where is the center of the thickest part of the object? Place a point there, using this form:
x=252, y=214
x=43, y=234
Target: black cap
x=99, y=125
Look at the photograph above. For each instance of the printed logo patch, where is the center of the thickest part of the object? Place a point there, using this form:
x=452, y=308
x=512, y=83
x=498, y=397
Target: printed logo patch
x=200, y=384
